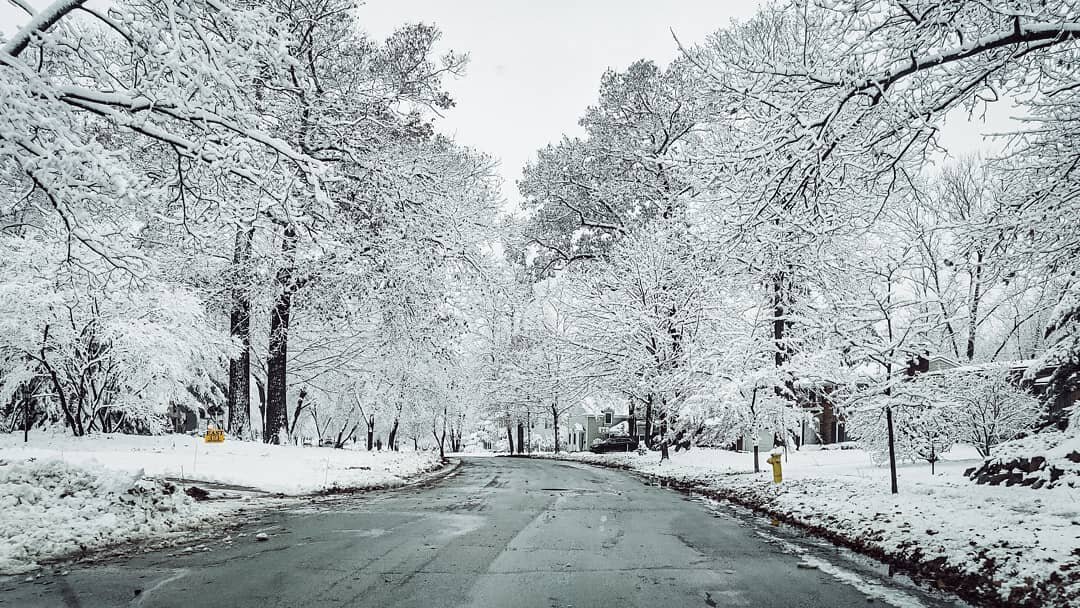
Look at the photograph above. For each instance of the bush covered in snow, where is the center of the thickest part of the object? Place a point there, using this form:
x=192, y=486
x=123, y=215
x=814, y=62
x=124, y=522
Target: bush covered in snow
x=1042, y=460
x=53, y=509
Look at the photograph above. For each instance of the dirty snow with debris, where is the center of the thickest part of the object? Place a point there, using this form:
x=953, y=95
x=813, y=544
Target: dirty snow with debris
x=1023, y=544
x=63, y=496
x=52, y=509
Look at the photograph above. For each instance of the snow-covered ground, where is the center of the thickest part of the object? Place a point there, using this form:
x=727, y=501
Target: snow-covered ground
x=61, y=496
x=286, y=469
x=1013, y=543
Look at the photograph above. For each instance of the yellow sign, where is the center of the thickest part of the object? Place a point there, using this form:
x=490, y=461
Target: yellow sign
x=214, y=436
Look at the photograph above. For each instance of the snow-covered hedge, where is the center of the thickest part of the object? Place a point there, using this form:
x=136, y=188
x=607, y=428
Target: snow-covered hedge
x=1042, y=460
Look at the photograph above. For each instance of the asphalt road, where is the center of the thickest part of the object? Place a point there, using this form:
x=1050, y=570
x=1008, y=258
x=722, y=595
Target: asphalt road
x=499, y=532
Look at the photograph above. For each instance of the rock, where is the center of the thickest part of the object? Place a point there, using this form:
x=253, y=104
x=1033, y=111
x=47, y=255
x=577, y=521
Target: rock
x=261, y=536
x=197, y=493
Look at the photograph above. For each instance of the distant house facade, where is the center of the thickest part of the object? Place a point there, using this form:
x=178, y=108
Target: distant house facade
x=591, y=425
x=822, y=425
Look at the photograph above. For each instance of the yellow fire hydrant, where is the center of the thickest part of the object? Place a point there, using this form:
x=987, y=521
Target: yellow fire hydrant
x=777, y=472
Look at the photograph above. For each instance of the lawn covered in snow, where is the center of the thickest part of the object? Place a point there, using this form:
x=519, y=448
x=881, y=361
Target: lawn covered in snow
x=281, y=469
x=1017, y=544
x=62, y=496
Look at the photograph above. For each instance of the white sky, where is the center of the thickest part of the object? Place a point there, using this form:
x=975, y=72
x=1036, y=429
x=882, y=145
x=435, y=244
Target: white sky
x=536, y=64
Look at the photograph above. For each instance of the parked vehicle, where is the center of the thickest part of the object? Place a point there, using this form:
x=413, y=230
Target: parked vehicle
x=615, y=444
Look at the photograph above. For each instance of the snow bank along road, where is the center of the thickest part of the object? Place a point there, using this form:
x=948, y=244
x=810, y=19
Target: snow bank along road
x=498, y=532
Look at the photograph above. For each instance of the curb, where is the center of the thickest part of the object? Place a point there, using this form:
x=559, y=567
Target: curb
x=428, y=477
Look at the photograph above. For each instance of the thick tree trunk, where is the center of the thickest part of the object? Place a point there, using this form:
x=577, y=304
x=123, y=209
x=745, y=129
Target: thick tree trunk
x=392, y=437
x=239, y=399
x=555, y=425
x=370, y=432
x=510, y=438
x=277, y=356
x=521, y=438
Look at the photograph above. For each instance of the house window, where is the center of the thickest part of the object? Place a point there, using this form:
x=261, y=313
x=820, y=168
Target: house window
x=607, y=417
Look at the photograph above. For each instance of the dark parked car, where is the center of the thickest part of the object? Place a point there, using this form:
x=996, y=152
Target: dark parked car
x=615, y=444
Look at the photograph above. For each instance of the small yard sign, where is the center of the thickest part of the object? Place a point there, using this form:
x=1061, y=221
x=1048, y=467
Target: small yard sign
x=214, y=436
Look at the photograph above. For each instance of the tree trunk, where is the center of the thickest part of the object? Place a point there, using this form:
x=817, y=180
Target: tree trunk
x=510, y=438
x=892, y=449
x=370, y=420
x=300, y=399
x=239, y=399
x=391, y=439
x=780, y=354
x=276, y=360
x=261, y=388
x=648, y=422
x=521, y=438
x=26, y=417
x=555, y=425
x=973, y=309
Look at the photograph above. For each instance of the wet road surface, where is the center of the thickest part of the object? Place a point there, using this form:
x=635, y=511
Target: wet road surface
x=498, y=532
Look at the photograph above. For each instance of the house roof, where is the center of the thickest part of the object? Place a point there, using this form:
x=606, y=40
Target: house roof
x=596, y=405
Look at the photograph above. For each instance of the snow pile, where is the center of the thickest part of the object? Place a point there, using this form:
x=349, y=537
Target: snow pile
x=52, y=509
x=994, y=544
x=291, y=470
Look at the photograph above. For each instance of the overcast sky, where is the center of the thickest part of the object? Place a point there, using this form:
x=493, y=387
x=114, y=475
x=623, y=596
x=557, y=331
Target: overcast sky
x=536, y=64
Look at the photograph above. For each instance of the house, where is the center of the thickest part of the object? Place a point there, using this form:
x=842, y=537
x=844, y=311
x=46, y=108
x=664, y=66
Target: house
x=592, y=422
x=745, y=443
x=822, y=425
